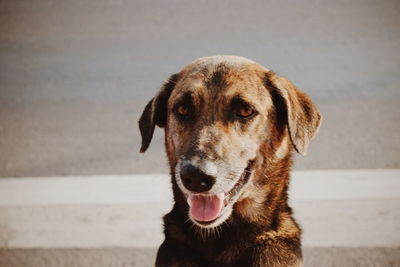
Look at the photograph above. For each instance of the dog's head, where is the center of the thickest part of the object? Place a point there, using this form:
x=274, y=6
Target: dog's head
x=218, y=112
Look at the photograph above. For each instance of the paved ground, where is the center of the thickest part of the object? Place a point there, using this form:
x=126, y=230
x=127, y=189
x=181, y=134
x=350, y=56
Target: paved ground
x=114, y=221
x=75, y=75
x=351, y=208
x=145, y=257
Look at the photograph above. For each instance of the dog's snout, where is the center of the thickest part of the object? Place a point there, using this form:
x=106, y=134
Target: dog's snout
x=195, y=179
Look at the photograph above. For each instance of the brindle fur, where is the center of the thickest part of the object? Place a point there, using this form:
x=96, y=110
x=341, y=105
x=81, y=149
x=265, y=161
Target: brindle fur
x=261, y=230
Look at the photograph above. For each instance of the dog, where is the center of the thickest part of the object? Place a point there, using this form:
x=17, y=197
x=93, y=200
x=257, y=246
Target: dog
x=230, y=128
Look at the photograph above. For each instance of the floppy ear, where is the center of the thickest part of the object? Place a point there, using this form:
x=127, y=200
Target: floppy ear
x=303, y=117
x=155, y=112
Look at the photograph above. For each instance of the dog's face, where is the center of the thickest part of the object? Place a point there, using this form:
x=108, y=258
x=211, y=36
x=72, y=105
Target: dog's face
x=217, y=114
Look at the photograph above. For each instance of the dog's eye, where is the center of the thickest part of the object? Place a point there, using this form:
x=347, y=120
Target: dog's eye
x=245, y=112
x=182, y=110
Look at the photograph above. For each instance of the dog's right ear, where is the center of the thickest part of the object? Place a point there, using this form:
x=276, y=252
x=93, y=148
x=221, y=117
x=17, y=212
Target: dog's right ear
x=155, y=112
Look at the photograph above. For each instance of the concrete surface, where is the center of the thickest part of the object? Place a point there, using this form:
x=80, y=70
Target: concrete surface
x=349, y=218
x=124, y=257
x=122, y=189
x=126, y=211
x=326, y=223
x=75, y=76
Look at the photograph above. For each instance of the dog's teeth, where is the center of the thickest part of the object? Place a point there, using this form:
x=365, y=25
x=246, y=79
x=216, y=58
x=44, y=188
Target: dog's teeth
x=189, y=201
x=221, y=195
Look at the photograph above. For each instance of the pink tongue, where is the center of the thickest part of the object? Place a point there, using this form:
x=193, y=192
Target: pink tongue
x=205, y=208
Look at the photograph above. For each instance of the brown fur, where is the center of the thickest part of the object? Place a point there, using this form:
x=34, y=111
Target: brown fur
x=260, y=230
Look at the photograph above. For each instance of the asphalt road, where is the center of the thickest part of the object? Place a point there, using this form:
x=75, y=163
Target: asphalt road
x=75, y=76
x=145, y=257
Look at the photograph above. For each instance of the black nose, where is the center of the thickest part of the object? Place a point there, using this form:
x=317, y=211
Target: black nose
x=195, y=180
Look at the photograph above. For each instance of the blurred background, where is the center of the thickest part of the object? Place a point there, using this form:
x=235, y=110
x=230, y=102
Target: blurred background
x=76, y=75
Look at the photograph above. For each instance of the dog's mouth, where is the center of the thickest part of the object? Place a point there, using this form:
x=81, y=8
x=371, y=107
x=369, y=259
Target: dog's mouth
x=205, y=209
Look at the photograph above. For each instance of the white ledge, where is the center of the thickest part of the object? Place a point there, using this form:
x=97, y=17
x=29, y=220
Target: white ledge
x=114, y=189
x=348, y=208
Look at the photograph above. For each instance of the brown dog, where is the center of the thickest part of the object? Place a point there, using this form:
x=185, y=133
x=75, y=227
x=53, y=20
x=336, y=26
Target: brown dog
x=230, y=126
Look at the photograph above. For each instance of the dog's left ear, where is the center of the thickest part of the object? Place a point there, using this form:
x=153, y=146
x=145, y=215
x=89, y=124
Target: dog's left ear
x=155, y=112
x=303, y=117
